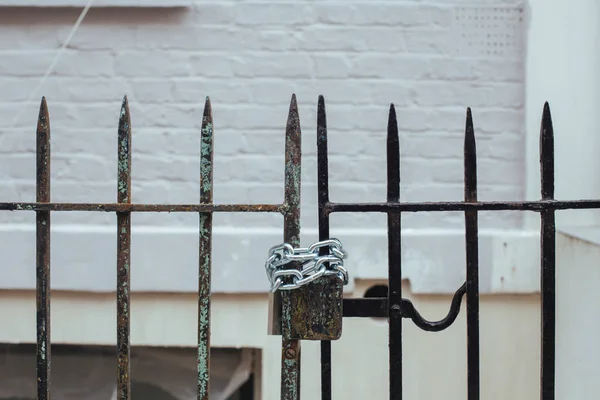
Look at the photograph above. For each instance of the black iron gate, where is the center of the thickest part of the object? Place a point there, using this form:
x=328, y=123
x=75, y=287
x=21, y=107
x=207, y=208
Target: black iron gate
x=314, y=311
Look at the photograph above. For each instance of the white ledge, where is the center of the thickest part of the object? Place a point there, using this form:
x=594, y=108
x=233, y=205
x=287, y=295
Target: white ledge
x=588, y=234
x=166, y=259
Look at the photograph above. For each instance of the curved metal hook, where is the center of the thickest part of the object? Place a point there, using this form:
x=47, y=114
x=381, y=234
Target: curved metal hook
x=409, y=311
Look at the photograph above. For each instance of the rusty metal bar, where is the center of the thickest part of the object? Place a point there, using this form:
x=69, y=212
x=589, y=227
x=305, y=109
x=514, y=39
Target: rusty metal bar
x=472, y=265
x=548, y=259
x=125, y=207
x=290, y=365
x=317, y=312
x=43, y=254
x=205, y=251
x=323, y=198
x=124, y=255
x=536, y=206
x=394, y=259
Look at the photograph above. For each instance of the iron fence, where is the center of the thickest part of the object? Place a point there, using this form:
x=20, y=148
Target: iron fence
x=292, y=309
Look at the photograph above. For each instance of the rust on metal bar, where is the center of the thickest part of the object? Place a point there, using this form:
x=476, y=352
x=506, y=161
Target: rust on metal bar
x=124, y=207
x=283, y=302
x=43, y=253
x=317, y=308
x=290, y=208
x=205, y=252
x=394, y=259
x=124, y=255
x=472, y=264
x=535, y=206
x=548, y=259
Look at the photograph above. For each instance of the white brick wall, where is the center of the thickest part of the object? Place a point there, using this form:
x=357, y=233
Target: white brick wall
x=249, y=57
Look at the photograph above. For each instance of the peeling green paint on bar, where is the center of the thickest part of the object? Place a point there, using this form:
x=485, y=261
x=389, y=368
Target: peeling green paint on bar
x=205, y=252
x=289, y=383
x=124, y=255
x=128, y=207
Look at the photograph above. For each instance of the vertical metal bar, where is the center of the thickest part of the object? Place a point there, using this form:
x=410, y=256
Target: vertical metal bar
x=472, y=253
x=290, y=368
x=123, y=255
x=548, y=259
x=323, y=199
x=205, y=261
x=394, y=260
x=43, y=253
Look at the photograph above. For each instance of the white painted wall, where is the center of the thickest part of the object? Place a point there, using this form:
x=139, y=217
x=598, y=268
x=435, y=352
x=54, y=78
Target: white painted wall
x=432, y=59
x=562, y=68
x=250, y=57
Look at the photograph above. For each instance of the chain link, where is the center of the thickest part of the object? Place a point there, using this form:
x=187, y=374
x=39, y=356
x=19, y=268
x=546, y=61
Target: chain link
x=312, y=265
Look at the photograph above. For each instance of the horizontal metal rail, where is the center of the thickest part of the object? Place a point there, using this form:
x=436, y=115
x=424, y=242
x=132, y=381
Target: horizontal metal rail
x=124, y=207
x=537, y=206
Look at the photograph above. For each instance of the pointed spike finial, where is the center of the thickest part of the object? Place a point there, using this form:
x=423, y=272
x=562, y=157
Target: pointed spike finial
x=124, y=154
x=293, y=156
x=470, y=160
x=124, y=115
x=469, y=132
x=43, y=114
x=547, y=128
x=207, y=107
x=322, y=156
x=393, y=157
x=293, y=122
x=43, y=125
x=43, y=156
x=547, y=154
x=321, y=116
x=206, y=154
x=392, y=121
x=392, y=128
x=546, y=107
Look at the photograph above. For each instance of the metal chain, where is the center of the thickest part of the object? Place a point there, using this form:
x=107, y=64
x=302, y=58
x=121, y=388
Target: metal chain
x=313, y=265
